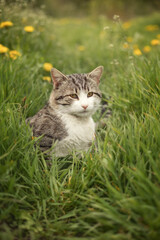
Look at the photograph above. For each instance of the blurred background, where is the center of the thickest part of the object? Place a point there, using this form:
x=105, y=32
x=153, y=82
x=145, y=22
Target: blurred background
x=126, y=9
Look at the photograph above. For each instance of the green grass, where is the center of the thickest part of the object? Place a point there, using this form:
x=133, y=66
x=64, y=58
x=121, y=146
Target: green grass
x=113, y=193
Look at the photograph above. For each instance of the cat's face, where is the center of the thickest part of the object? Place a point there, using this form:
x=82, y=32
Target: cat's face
x=76, y=94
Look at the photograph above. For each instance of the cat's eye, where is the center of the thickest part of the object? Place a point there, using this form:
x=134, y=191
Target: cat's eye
x=90, y=94
x=73, y=96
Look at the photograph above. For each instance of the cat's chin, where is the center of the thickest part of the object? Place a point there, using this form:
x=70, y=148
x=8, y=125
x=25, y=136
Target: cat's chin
x=83, y=114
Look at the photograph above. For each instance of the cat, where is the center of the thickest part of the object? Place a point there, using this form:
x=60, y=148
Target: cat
x=66, y=121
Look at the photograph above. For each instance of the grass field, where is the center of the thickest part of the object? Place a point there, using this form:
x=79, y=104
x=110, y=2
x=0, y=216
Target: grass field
x=113, y=193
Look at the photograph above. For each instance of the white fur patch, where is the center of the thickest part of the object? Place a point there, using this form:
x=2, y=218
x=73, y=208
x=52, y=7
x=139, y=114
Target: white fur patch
x=81, y=133
x=79, y=124
x=83, y=100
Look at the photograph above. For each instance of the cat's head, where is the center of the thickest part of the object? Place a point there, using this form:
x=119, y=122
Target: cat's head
x=76, y=94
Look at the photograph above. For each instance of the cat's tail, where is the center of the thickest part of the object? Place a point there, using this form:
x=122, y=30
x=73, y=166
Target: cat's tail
x=106, y=110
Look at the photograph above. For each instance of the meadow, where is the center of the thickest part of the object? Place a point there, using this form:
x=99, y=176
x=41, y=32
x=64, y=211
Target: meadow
x=112, y=192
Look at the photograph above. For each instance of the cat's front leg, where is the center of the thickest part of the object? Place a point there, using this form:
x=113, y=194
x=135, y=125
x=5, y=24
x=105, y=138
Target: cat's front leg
x=68, y=146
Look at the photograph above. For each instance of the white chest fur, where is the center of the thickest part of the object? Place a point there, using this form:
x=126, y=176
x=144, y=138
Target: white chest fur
x=81, y=133
x=80, y=129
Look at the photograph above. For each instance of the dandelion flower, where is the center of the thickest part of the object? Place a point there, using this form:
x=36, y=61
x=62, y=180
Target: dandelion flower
x=146, y=49
x=3, y=49
x=47, y=78
x=126, y=25
x=6, y=24
x=81, y=48
x=137, y=52
x=47, y=67
x=155, y=42
x=29, y=29
x=151, y=28
x=14, y=54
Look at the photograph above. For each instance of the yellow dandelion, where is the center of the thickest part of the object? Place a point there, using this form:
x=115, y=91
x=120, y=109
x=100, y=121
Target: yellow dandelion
x=125, y=45
x=158, y=36
x=146, y=49
x=3, y=49
x=137, y=52
x=155, y=42
x=47, y=78
x=81, y=48
x=29, y=29
x=14, y=54
x=129, y=39
x=126, y=25
x=6, y=24
x=151, y=28
x=47, y=67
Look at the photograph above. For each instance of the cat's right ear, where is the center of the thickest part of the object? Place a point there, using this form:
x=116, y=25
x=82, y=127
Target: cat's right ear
x=57, y=77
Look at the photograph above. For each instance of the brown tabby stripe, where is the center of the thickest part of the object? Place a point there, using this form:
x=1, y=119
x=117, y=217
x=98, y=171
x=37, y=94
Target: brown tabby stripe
x=75, y=82
x=59, y=98
x=79, y=80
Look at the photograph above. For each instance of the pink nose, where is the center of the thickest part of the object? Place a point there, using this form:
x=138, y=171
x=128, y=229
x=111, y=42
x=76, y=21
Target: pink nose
x=84, y=106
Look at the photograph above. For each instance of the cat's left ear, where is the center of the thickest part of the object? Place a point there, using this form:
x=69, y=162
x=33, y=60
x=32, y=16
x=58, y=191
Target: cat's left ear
x=96, y=74
x=57, y=77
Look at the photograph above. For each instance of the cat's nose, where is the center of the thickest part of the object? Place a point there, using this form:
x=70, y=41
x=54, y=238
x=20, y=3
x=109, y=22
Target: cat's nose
x=84, y=106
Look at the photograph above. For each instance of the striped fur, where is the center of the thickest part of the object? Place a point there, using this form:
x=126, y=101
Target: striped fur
x=67, y=118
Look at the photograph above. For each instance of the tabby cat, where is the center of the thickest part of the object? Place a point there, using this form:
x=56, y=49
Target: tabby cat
x=66, y=120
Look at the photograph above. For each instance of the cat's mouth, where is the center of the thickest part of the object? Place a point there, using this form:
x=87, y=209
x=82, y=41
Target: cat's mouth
x=83, y=113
